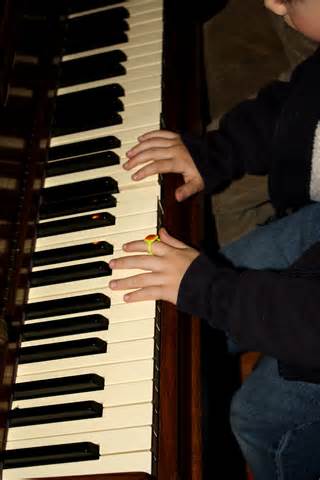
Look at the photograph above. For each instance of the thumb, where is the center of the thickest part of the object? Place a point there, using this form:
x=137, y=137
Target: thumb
x=169, y=240
x=186, y=190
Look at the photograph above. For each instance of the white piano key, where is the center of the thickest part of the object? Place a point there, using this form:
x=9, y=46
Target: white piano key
x=116, y=296
x=107, y=259
x=73, y=288
x=141, y=115
x=120, y=151
x=145, y=8
x=138, y=461
x=119, y=332
x=110, y=441
x=133, y=7
x=141, y=78
x=127, y=135
x=150, y=19
x=137, y=55
x=122, y=177
x=69, y=289
x=116, y=353
x=143, y=26
x=114, y=373
x=82, y=287
x=122, y=225
x=116, y=313
x=118, y=252
x=116, y=240
x=142, y=61
x=143, y=29
x=126, y=416
x=129, y=202
x=151, y=95
x=111, y=396
x=144, y=39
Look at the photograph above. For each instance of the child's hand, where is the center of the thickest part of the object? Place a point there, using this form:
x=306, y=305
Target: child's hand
x=166, y=267
x=167, y=154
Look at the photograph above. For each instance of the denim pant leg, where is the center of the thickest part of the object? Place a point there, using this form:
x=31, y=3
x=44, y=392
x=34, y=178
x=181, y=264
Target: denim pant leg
x=278, y=244
x=277, y=422
x=277, y=425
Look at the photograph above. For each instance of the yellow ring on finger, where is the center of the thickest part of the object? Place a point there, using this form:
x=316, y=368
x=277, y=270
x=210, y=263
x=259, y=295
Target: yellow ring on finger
x=149, y=240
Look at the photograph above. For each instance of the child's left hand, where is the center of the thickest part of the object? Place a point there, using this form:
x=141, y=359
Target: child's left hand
x=166, y=267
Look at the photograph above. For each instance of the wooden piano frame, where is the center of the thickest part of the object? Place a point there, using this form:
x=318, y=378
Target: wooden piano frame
x=178, y=454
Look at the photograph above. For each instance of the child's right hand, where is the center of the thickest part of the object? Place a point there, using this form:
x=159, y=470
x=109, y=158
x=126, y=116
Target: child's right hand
x=165, y=152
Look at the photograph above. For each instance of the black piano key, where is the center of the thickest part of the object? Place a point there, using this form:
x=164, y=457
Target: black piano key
x=106, y=97
x=90, y=95
x=69, y=274
x=85, y=147
x=21, y=417
x=75, y=224
x=96, y=30
x=77, y=6
x=92, y=68
x=99, y=107
x=104, y=18
x=65, y=126
x=80, y=205
x=79, y=164
x=60, y=350
x=65, y=306
x=76, y=252
x=67, y=326
x=86, y=188
x=101, y=38
x=58, y=386
x=65, y=453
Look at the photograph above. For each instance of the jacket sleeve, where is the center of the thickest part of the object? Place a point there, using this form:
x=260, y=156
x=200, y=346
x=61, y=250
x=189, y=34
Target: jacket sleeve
x=276, y=313
x=243, y=142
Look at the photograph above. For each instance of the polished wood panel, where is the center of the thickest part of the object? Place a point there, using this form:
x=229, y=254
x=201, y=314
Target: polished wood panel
x=24, y=133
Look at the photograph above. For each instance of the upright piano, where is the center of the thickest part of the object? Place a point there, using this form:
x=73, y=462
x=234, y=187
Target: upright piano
x=91, y=386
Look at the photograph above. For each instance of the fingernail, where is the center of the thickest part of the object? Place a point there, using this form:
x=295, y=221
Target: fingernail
x=112, y=284
x=124, y=246
x=125, y=165
x=111, y=264
x=126, y=298
x=135, y=176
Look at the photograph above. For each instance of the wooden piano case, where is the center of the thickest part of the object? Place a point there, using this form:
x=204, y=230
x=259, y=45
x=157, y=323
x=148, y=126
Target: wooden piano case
x=23, y=146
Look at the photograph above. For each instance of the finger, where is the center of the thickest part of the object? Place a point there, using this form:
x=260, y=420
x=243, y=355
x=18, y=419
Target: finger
x=158, y=248
x=135, y=246
x=136, y=281
x=150, y=155
x=158, y=133
x=186, y=190
x=148, y=144
x=147, y=293
x=156, y=167
x=143, y=262
x=169, y=240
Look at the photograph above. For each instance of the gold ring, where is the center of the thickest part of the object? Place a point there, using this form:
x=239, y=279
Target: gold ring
x=149, y=240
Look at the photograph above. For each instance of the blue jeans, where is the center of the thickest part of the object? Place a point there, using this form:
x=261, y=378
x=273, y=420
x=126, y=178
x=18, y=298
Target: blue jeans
x=276, y=421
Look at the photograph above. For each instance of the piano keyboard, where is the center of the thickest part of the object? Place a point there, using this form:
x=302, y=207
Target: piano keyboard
x=85, y=387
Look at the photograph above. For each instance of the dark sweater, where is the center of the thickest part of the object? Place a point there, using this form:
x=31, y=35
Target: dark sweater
x=276, y=313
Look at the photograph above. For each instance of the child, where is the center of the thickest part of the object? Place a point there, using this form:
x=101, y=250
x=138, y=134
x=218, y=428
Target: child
x=269, y=300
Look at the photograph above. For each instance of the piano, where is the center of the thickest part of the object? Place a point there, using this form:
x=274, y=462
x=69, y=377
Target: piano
x=91, y=386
